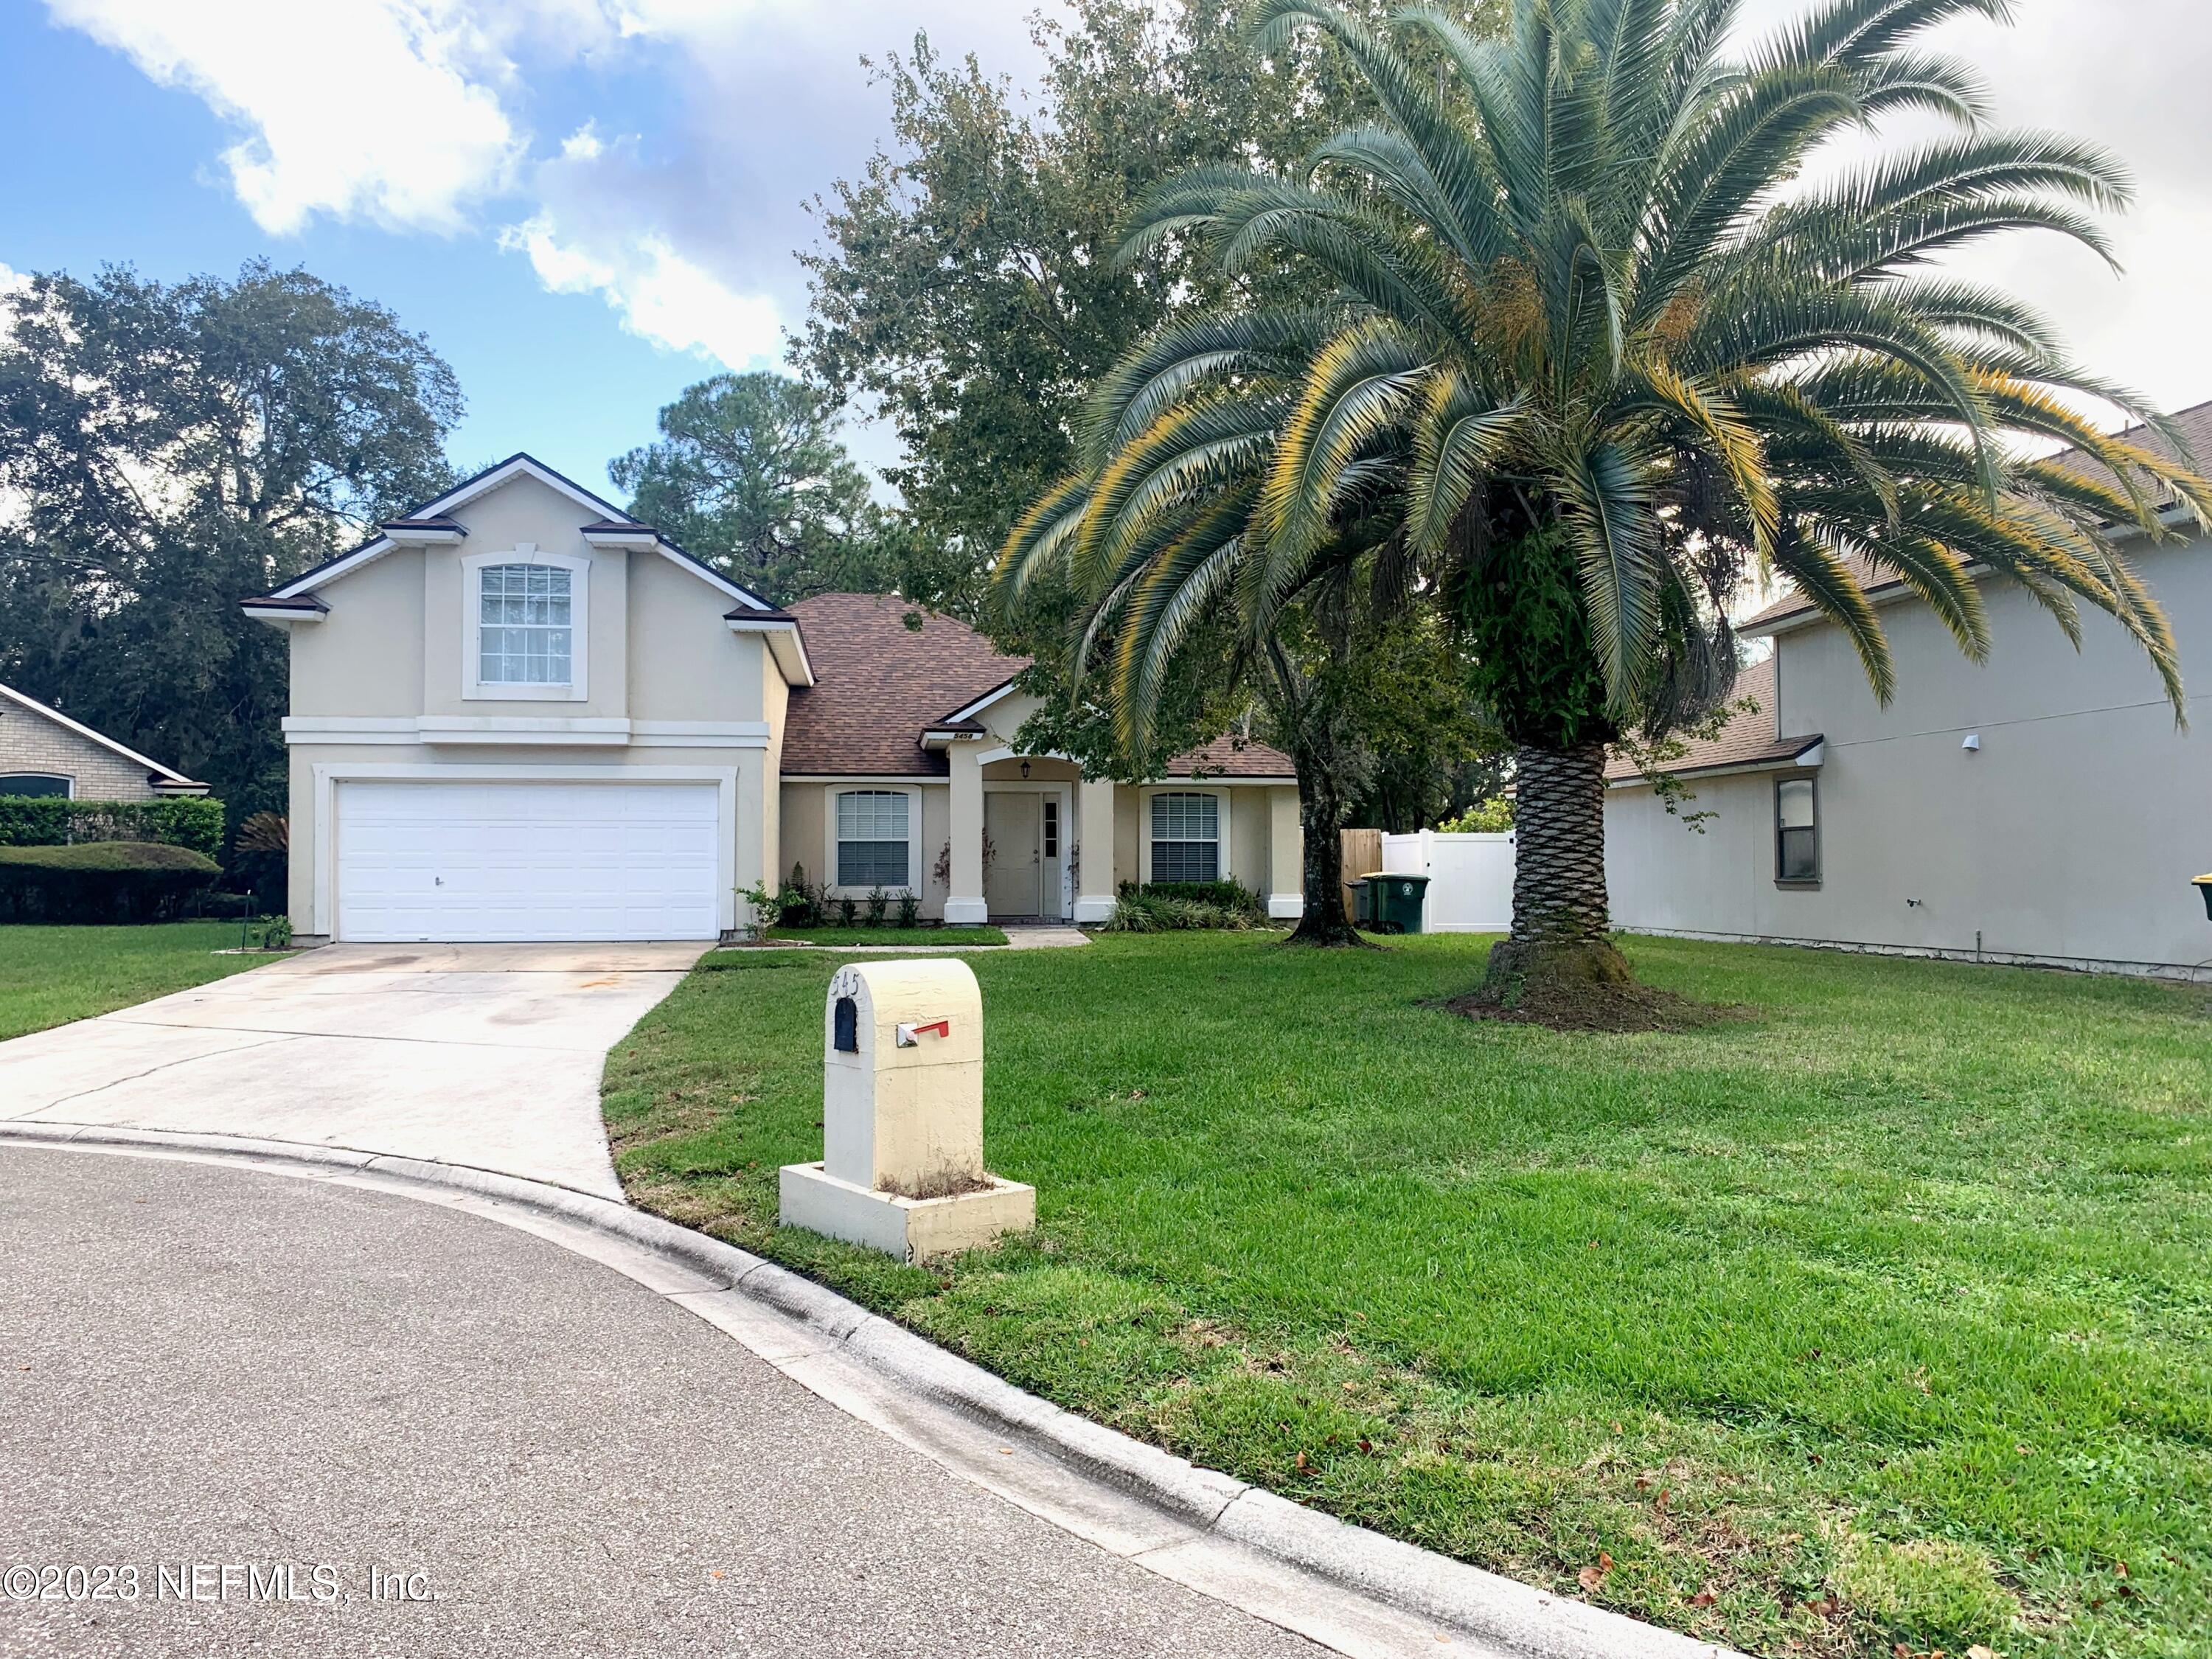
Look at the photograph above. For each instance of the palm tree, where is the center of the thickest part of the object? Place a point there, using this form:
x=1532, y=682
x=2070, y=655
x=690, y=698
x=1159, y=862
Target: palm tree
x=1593, y=341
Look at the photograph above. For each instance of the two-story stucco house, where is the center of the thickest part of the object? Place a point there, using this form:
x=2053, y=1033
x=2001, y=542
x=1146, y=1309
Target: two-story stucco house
x=44, y=752
x=2041, y=806
x=519, y=713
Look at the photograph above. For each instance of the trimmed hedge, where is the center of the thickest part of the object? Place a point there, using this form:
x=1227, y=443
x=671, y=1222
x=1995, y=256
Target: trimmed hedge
x=189, y=821
x=101, y=881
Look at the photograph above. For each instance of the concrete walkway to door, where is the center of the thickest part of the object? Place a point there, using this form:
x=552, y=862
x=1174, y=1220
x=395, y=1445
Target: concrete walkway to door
x=487, y=1055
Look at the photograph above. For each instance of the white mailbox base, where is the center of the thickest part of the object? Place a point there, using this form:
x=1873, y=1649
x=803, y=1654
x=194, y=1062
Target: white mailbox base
x=912, y=1229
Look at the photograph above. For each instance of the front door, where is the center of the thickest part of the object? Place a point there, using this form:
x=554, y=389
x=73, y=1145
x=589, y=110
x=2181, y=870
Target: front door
x=1013, y=831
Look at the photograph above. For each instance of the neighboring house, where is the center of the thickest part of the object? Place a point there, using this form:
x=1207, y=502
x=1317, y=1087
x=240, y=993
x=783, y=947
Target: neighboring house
x=44, y=752
x=2039, y=807
x=519, y=713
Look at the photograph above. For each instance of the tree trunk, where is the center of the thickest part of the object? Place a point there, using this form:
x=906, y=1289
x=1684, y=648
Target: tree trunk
x=1559, y=911
x=1321, y=811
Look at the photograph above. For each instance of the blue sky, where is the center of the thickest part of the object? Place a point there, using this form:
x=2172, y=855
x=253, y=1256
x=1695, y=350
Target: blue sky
x=587, y=204
x=654, y=163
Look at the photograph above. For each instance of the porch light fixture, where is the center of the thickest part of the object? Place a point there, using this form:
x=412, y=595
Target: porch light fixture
x=2203, y=884
x=1025, y=768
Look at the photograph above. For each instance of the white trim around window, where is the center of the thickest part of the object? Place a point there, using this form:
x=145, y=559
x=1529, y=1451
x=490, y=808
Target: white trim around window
x=1144, y=797
x=577, y=687
x=67, y=791
x=911, y=795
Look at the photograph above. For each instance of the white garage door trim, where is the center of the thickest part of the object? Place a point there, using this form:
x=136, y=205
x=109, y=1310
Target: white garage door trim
x=329, y=776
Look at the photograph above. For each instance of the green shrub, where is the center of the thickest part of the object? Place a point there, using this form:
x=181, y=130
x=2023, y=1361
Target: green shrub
x=877, y=899
x=1222, y=895
x=1493, y=816
x=190, y=821
x=101, y=881
x=910, y=908
x=1152, y=910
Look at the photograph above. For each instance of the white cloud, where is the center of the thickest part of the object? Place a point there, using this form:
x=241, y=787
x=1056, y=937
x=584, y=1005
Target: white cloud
x=661, y=295
x=376, y=109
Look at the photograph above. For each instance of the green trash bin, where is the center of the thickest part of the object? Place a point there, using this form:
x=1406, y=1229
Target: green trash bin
x=1364, y=896
x=1396, y=903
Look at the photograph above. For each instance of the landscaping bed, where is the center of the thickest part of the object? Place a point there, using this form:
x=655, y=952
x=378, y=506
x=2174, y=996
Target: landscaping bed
x=1877, y=1313
x=887, y=935
x=51, y=975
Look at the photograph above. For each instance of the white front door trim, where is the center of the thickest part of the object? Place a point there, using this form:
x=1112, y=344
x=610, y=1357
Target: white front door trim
x=1062, y=793
x=329, y=775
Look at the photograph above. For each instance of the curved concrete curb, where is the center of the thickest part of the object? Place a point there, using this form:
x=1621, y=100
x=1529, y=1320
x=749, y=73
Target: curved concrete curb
x=1494, y=1615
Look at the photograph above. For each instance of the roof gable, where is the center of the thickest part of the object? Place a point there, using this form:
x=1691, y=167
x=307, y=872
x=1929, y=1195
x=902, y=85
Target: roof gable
x=436, y=515
x=15, y=698
x=880, y=683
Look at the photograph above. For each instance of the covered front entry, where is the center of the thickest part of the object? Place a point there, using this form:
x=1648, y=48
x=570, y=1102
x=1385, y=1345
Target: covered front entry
x=1024, y=832
x=427, y=860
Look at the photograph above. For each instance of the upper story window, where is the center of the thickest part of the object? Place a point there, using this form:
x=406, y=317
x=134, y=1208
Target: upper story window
x=524, y=627
x=1796, y=830
x=525, y=614
x=1186, y=837
x=874, y=837
x=36, y=783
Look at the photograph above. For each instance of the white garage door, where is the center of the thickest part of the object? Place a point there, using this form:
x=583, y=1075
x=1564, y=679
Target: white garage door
x=527, y=860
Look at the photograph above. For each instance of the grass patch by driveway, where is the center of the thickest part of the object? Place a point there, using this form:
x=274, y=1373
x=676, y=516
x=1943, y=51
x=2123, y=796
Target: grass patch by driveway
x=51, y=975
x=865, y=935
x=1881, y=1314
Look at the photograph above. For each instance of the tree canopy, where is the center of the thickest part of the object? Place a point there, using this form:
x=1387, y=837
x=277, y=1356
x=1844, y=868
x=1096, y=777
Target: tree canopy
x=965, y=289
x=1577, y=352
x=749, y=473
x=167, y=449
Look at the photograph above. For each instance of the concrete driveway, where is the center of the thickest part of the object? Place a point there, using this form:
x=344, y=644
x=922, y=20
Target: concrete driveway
x=483, y=1054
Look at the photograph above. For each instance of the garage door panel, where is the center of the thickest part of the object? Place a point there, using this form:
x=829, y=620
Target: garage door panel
x=501, y=861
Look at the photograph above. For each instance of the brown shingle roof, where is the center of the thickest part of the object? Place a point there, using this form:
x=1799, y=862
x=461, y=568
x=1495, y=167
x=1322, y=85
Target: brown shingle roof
x=2196, y=425
x=880, y=684
x=1231, y=758
x=1748, y=739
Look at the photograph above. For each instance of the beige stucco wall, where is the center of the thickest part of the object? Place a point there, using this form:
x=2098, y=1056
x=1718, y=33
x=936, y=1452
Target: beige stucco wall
x=391, y=650
x=804, y=814
x=29, y=742
x=685, y=664
x=2071, y=836
x=365, y=658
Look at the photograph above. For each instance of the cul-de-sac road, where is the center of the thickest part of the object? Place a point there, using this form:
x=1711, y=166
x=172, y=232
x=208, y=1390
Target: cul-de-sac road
x=209, y=1364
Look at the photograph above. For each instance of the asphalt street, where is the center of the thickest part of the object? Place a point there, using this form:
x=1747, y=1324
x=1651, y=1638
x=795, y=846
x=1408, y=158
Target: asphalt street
x=409, y=1431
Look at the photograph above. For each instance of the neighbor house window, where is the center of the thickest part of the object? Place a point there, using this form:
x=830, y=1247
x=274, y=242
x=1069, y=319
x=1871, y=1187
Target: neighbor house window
x=35, y=783
x=525, y=631
x=1186, y=837
x=1796, y=830
x=873, y=837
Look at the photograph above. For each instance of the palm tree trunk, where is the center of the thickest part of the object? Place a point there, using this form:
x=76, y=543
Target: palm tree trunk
x=1559, y=912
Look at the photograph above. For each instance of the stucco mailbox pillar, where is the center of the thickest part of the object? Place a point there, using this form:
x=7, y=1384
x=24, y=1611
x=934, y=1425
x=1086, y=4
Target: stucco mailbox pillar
x=902, y=1117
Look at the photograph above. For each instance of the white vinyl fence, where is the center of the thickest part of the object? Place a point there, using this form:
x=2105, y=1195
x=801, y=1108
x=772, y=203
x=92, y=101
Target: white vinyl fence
x=1470, y=878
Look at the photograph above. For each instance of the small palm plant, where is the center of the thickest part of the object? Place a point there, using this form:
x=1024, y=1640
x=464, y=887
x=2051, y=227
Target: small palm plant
x=1584, y=348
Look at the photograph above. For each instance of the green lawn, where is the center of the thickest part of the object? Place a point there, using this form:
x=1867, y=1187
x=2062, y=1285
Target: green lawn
x=51, y=975
x=1881, y=1315
x=865, y=935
